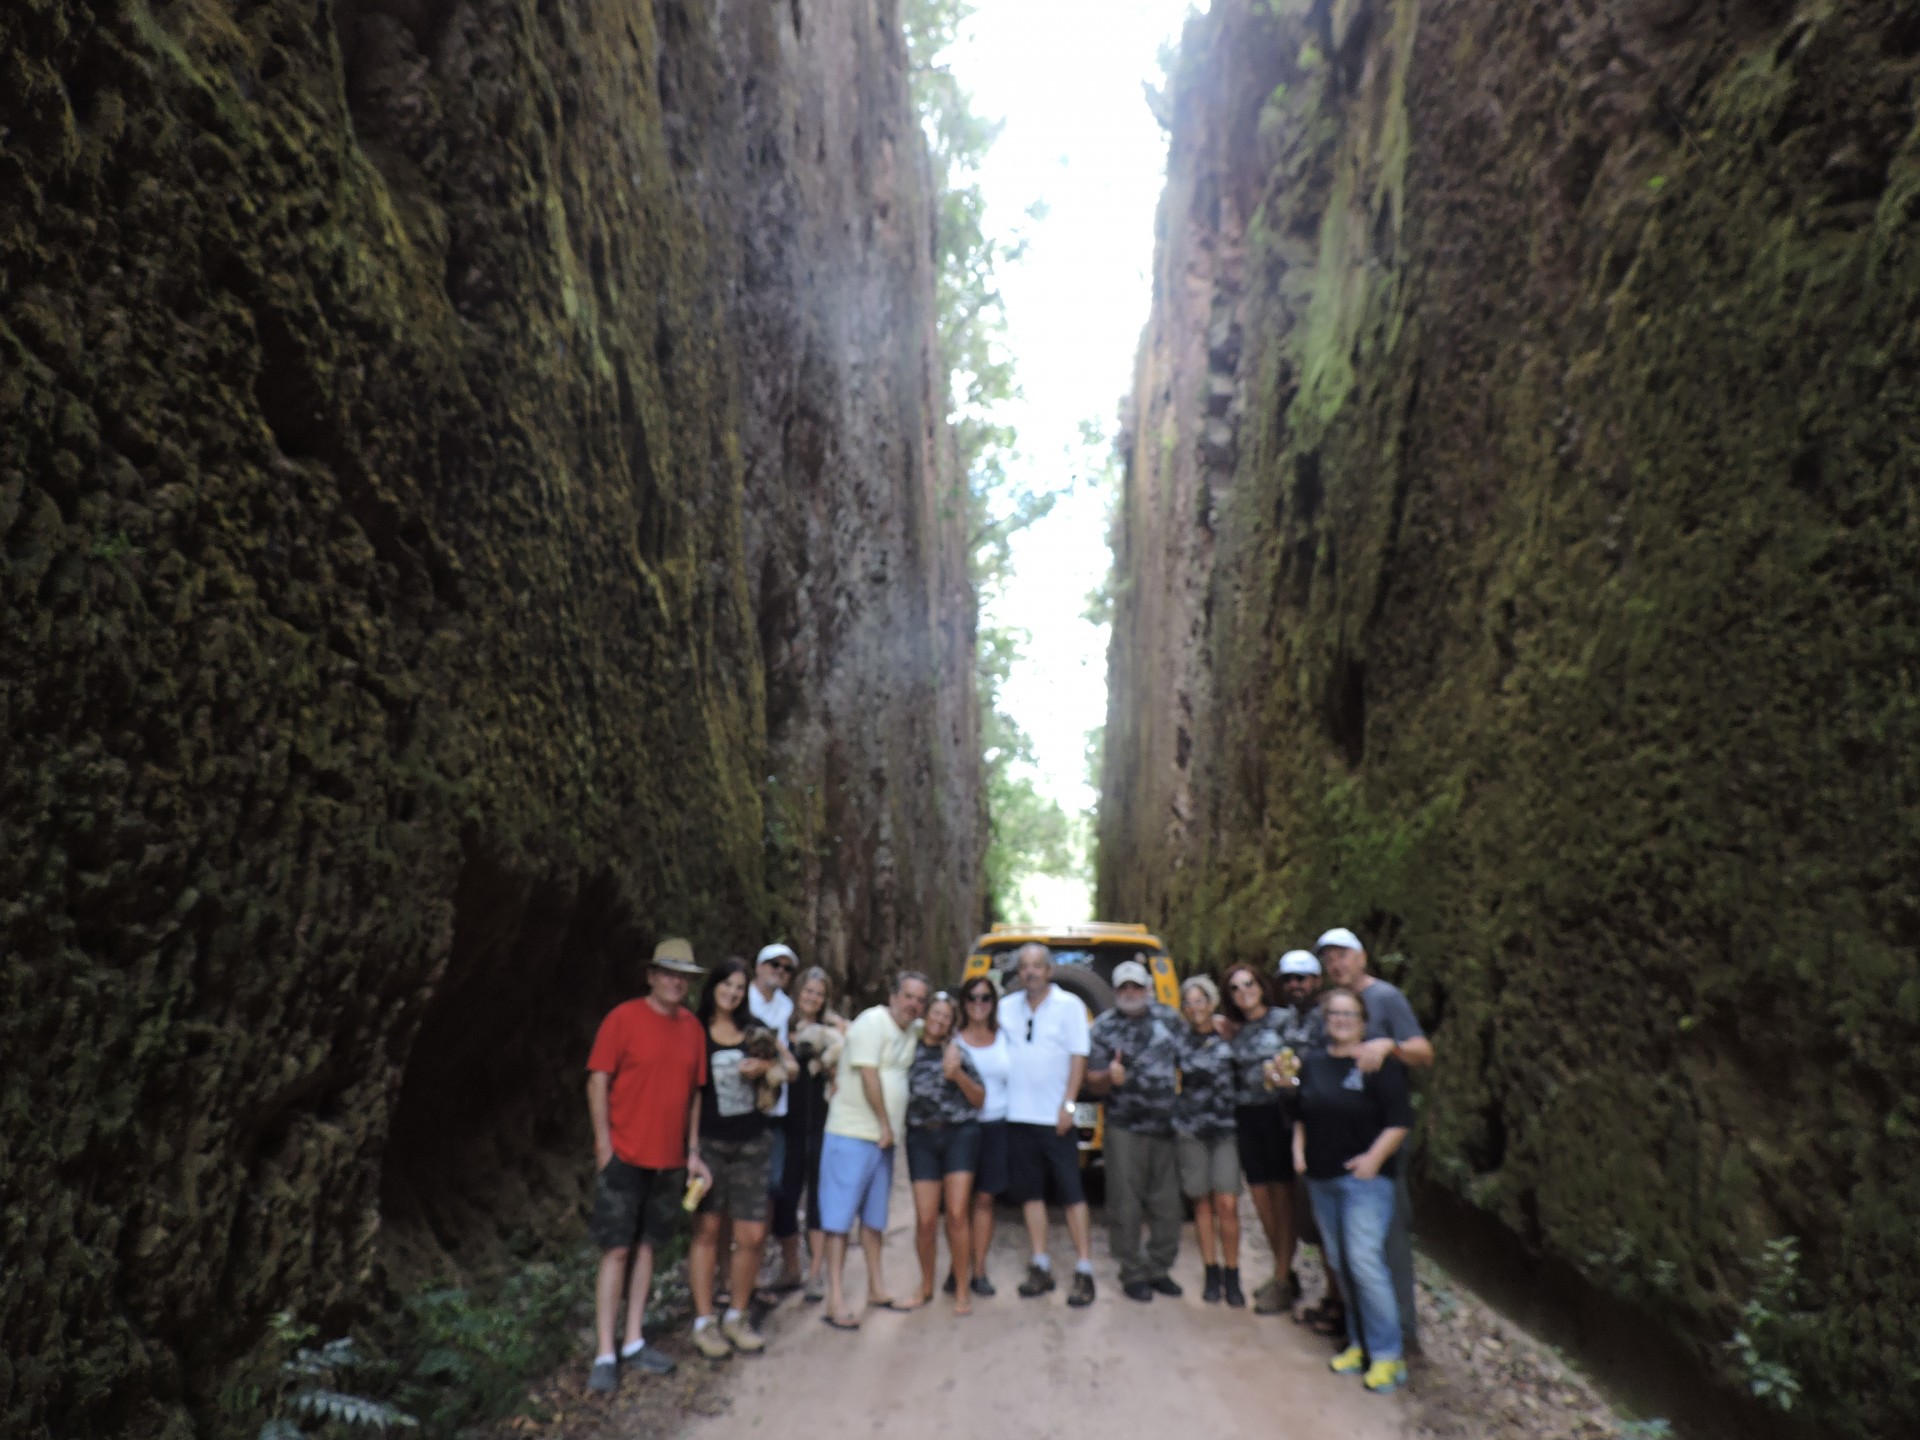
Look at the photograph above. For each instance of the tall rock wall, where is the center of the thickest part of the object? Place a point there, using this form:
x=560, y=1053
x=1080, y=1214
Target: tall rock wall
x=474, y=496
x=1518, y=563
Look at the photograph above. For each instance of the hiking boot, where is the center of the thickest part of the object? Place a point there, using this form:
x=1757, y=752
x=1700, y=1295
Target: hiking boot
x=1168, y=1286
x=708, y=1340
x=1136, y=1290
x=743, y=1336
x=982, y=1287
x=604, y=1378
x=1348, y=1362
x=1211, y=1293
x=1270, y=1298
x=1383, y=1377
x=1082, y=1293
x=1230, y=1286
x=1038, y=1282
x=652, y=1359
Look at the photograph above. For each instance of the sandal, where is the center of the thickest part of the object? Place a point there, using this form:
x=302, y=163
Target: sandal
x=838, y=1323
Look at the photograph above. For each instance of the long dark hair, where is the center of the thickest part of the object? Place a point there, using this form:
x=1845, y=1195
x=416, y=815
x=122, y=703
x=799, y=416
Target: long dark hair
x=993, y=1011
x=742, y=1014
x=1228, y=1005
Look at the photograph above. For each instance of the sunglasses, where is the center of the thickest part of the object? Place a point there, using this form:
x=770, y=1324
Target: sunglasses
x=979, y=997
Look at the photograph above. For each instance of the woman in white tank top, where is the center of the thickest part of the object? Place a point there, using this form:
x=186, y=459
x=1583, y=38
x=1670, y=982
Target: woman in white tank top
x=980, y=1035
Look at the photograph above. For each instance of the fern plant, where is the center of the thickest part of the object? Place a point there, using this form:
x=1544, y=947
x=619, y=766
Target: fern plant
x=309, y=1391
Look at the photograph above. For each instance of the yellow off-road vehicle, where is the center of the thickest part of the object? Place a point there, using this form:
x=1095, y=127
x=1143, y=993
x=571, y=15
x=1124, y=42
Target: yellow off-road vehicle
x=1083, y=961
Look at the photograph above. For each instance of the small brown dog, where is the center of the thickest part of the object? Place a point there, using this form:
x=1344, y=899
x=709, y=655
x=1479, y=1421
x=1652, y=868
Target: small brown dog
x=764, y=1044
x=824, y=1043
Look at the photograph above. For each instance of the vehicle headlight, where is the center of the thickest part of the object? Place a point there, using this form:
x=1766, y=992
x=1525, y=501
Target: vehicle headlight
x=1086, y=1114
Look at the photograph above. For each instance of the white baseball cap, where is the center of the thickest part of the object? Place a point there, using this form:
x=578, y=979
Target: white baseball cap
x=1345, y=939
x=775, y=951
x=1131, y=972
x=1298, y=962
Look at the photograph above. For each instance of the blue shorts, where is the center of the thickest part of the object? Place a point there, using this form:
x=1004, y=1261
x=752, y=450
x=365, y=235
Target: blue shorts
x=937, y=1151
x=855, y=1178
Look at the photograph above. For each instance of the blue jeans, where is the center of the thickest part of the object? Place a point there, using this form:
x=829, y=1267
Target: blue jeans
x=1353, y=1216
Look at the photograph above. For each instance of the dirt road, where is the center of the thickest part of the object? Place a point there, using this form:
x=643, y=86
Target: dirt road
x=1026, y=1369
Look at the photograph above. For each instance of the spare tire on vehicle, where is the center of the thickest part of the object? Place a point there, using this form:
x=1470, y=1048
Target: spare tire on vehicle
x=1082, y=983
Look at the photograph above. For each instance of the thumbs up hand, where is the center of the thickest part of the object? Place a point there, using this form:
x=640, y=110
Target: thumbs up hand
x=1117, y=1071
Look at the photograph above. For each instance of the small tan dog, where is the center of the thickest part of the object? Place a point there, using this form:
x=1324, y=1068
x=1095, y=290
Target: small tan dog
x=824, y=1041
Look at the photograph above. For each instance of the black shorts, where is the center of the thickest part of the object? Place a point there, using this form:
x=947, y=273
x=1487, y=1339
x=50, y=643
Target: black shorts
x=1266, y=1143
x=1037, y=1155
x=632, y=1206
x=937, y=1151
x=991, y=1177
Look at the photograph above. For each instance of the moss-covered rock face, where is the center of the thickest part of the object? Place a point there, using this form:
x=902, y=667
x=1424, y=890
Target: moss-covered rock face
x=471, y=484
x=1520, y=566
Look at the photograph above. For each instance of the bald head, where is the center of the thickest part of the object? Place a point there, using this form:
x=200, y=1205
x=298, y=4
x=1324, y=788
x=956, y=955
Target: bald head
x=1036, y=970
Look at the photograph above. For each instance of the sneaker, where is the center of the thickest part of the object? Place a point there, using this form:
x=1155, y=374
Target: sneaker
x=1082, y=1293
x=743, y=1336
x=1136, y=1290
x=604, y=1378
x=708, y=1340
x=1211, y=1293
x=982, y=1287
x=1348, y=1362
x=1230, y=1287
x=1038, y=1282
x=1385, y=1376
x=1270, y=1298
x=816, y=1290
x=652, y=1359
x=1167, y=1285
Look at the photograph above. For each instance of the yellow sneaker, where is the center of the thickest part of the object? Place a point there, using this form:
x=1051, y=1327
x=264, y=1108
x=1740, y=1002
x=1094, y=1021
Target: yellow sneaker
x=1348, y=1361
x=1384, y=1376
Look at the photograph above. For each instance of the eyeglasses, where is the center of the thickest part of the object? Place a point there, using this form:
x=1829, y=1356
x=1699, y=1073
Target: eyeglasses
x=1029, y=1029
x=1343, y=1014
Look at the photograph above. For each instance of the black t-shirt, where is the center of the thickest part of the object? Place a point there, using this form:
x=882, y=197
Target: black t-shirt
x=1345, y=1111
x=727, y=1108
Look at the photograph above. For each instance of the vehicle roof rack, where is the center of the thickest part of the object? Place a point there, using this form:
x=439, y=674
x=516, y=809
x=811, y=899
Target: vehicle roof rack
x=1088, y=929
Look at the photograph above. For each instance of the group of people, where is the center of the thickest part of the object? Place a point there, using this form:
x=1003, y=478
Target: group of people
x=762, y=1102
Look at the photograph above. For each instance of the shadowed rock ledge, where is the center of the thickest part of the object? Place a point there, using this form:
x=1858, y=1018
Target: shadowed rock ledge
x=475, y=498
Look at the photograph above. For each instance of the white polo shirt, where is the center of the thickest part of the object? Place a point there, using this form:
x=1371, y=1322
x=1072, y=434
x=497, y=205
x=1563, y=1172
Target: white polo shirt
x=774, y=1013
x=1038, y=1066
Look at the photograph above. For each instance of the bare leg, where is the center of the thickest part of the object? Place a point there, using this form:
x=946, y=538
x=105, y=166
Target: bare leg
x=816, y=1252
x=638, y=1289
x=959, y=1188
x=835, y=1249
x=789, y=1259
x=1226, y=1209
x=1080, y=1227
x=870, y=1242
x=926, y=1233
x=703, y=1254
x=982, y=1232
x=606, y=1295
x=749, y=1239
x=1035, y=1214
x=1203, y=1230
x=1264, y=1200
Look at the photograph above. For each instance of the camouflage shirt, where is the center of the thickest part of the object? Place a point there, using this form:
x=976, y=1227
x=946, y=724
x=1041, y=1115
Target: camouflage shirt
x=1207, y=1097
x=932, y=1099
x=1149, y=1046
x=1259, y=1041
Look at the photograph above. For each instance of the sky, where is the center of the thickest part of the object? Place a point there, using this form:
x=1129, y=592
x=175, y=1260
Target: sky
x=1065, y=77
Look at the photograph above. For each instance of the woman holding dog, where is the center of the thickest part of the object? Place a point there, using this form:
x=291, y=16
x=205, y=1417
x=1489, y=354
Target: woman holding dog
x=815, y=1037
x=737, y=1144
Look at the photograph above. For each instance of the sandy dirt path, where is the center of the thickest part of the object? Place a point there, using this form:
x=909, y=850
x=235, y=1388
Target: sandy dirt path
x=1024, y=1369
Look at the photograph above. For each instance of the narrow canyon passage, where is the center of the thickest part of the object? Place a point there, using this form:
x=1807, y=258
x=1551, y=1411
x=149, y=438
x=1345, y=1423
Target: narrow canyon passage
x=1035, y=1368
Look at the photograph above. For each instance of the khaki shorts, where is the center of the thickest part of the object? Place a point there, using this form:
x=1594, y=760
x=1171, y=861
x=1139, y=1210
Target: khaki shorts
x=741, y=1169
x=1208, y=1167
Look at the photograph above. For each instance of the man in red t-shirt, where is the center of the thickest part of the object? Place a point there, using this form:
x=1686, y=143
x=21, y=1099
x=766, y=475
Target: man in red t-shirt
x=643, y=1091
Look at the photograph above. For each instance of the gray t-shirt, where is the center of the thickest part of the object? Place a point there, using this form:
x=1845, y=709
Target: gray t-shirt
x=1389, y=1016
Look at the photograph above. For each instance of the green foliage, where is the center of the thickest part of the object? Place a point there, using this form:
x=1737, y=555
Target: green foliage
x=307, y=1393
x=1654, y=1429
x=463, y=1355
x=1770, y=1326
